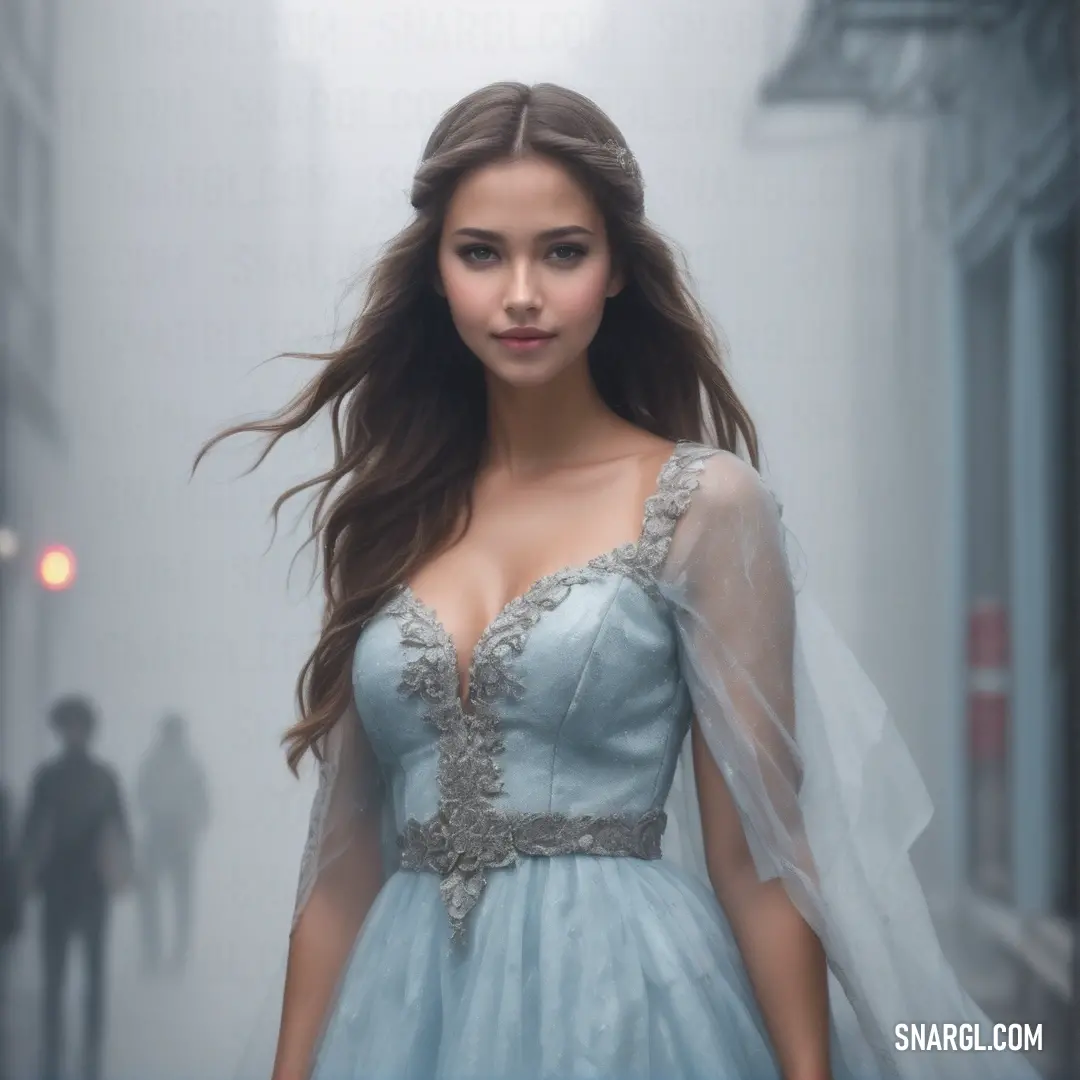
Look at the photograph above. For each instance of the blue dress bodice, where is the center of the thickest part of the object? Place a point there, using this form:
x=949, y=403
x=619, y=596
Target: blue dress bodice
x=575, y=716
x=591, y=708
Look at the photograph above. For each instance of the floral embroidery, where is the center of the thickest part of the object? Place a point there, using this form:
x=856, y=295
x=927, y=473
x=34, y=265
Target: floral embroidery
x=426, y=845
x=469, y=834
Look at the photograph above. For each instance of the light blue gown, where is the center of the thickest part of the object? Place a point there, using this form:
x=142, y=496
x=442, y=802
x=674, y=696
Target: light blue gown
x=528, y=928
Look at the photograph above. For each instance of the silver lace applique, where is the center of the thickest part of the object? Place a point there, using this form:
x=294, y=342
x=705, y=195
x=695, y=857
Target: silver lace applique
x=426, y=845
x=469, y=834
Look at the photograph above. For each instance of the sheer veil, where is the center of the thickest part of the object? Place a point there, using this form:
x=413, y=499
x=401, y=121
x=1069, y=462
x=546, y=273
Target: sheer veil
x=829, y=796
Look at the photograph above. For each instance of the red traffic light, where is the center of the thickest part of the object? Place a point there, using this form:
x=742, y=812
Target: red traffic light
x=56, y=568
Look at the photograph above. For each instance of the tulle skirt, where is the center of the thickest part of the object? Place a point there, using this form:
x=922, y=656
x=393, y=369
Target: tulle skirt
x=574, y=966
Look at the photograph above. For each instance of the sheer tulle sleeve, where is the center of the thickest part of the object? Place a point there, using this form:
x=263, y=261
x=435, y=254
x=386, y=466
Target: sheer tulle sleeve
x=342, y=868
x=344, y=851
x=829, y=797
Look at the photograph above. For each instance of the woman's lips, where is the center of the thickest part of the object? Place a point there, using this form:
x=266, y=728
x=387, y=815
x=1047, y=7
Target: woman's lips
x=524, y=344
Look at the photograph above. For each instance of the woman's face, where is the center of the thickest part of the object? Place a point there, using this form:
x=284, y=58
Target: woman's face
x=523, y=247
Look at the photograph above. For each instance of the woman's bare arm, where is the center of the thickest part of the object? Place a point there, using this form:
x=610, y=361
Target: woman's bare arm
x=783, y=956
x=321, y=944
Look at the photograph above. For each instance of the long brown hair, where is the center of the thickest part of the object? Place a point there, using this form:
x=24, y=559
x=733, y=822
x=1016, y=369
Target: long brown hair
x=407, y=399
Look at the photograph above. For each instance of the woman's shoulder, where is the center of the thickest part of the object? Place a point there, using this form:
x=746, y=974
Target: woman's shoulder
x=723, y=472
x=724, y=482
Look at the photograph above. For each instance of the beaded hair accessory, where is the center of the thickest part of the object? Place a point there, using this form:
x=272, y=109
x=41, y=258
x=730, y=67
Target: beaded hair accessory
x=624, y=159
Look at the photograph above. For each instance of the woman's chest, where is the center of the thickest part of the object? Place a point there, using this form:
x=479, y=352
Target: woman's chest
x=586, y=659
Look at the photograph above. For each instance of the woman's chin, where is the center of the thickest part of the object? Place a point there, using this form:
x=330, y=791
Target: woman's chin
x=526, y=371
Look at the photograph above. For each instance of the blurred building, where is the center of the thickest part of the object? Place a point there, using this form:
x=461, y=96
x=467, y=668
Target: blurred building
x=994, y=82
x=29, y=428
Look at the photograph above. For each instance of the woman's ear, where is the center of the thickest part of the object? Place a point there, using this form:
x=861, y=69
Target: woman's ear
x=437, y=285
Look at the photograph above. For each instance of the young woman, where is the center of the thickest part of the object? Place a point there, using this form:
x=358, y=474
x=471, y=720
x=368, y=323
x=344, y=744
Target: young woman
x=579, y=813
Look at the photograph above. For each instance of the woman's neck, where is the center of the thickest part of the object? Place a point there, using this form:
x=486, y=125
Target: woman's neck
x=534, y=429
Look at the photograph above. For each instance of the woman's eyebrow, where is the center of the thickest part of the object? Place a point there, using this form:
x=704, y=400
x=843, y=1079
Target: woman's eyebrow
x=547, y=234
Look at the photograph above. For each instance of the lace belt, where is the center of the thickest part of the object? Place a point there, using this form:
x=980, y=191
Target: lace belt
x=432, y=845
x=460, y=846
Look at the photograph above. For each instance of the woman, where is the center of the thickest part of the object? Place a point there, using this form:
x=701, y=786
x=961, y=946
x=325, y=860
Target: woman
x=562, y=639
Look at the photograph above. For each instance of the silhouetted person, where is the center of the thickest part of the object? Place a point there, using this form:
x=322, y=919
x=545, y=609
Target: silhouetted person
x=9, y=881
x=173, y=802
x=76, y=847
x=9, y=913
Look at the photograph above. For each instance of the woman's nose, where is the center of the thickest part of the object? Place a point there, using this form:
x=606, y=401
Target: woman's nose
x=522, y=289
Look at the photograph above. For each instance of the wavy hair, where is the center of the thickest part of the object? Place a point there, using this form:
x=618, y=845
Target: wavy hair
x=407, y=400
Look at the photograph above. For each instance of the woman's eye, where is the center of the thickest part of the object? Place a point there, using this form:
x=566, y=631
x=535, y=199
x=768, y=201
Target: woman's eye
x=477, y=253
x=482, y=254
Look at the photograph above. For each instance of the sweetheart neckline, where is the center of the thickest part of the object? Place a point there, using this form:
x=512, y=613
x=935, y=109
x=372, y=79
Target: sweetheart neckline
x=464, y=695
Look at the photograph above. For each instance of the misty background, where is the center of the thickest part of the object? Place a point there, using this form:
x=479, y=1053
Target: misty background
x=883, y=225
